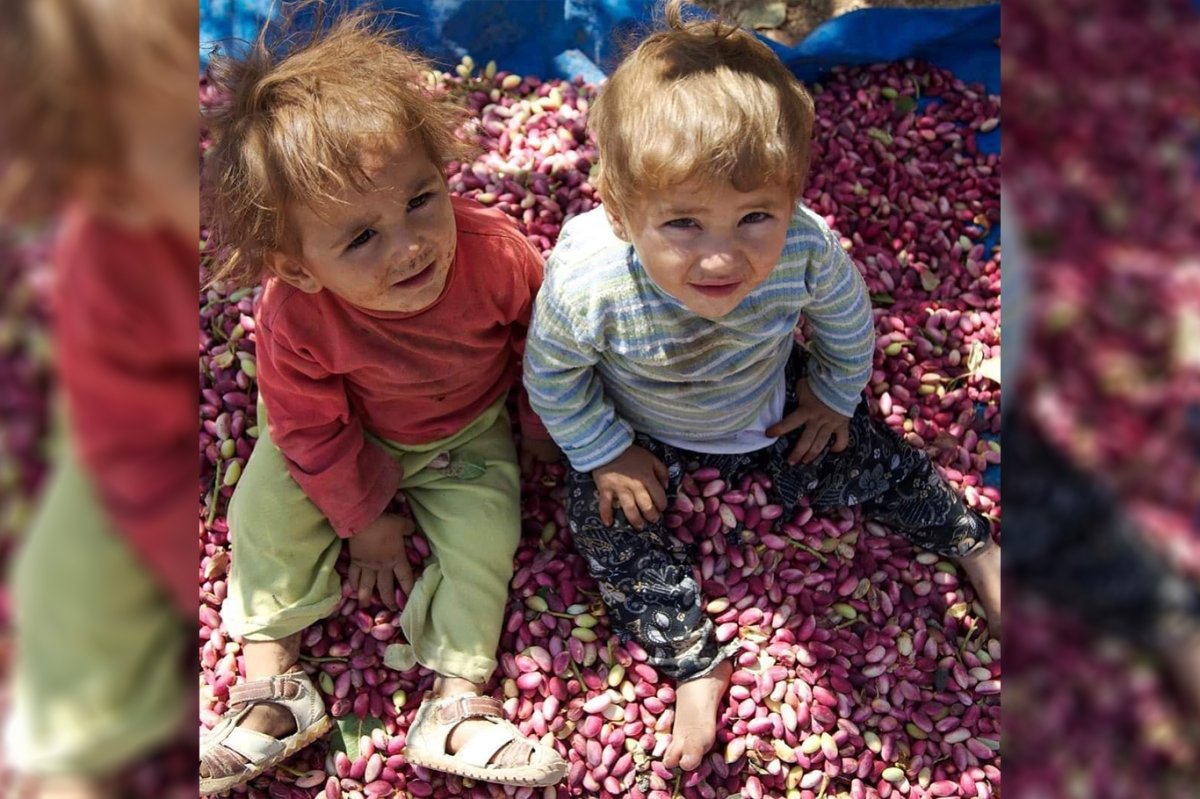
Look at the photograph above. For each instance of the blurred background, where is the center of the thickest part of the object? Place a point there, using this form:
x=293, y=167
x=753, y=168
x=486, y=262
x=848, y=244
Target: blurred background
x=1101, y=145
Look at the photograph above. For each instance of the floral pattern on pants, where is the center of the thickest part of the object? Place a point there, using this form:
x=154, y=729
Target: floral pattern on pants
x=648, y=578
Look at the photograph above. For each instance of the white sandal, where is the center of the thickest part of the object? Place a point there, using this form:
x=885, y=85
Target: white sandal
x=235, y=755
x=522, y=762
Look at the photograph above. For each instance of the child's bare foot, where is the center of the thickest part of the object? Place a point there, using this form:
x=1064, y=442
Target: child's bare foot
x=1182, y=657
x=983, y=569
x=695, y=727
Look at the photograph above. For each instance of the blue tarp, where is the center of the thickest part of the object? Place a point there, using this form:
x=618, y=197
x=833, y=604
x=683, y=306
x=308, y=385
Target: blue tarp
x=565, y=38
x=562, y=38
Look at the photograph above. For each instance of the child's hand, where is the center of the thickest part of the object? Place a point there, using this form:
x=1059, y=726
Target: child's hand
x=821, y=425
x=638, y=481
x=377, y=559
x=538, y=450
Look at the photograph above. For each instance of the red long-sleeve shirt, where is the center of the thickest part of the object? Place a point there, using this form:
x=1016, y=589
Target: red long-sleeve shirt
x=329, y=371
x=125, y=352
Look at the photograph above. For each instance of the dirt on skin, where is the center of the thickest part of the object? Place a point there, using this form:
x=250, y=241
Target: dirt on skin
x=789, y=21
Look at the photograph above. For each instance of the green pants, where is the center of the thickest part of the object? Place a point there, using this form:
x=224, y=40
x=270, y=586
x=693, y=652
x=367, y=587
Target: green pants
x=97, y=678
x=282, y=576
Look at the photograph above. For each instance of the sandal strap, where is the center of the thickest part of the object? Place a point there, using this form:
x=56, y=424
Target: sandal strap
x=293, y=691
x=483, y=746
x=254, y=747
x=517, y=753
x=223, y=761
x=279, y=687
x=465, y=706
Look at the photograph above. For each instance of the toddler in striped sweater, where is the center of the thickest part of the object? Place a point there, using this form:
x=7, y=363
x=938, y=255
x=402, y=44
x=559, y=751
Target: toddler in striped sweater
x=663, y=339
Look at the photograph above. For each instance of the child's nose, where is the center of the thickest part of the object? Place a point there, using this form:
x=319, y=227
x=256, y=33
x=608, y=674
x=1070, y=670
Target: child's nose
x=719, y=261
x=407, y=250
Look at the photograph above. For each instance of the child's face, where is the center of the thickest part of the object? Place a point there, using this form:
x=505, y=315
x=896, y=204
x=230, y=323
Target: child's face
x=387, y=249
x=708, y=245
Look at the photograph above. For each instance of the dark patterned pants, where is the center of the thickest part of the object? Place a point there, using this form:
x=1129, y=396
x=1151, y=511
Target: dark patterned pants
x=647, y=578
x=1069, y=540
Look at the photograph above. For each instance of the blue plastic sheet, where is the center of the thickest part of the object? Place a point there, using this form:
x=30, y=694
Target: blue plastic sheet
x=562, y=38
x=565, y=38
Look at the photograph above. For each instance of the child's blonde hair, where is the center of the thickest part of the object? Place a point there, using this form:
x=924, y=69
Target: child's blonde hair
x=699, y=100
x=295, y=125
x=67, y=70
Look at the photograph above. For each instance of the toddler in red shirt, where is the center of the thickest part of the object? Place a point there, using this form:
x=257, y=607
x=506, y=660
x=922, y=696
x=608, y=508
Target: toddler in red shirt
x=389, y=333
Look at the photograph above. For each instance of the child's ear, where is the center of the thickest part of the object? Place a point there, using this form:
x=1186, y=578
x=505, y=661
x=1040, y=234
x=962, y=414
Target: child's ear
x=614, y=220
x=293, y=272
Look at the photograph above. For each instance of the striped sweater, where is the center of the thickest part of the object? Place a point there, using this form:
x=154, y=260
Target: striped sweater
x=609, y=353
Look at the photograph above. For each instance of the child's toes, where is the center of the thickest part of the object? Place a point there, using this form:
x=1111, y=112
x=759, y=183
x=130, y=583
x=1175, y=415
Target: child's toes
x=674, y=752
x=693, y=754
x=687, y=749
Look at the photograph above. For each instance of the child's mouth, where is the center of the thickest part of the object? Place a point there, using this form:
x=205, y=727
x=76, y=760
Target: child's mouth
x=717, y=289
x=418, y=279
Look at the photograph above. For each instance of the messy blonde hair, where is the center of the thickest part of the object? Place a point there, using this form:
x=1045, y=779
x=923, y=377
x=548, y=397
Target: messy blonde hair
x=296, y=122
x=66, y=69
x=699, y=100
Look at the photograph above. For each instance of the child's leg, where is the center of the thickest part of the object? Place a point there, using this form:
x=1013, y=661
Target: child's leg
x=470, y=513
x=648, y=583
x=282, y=574
x=897, y=485
x=266, y=659
x=282, y=579
x=919, y=505
x=97, y=681
x=1072, y=542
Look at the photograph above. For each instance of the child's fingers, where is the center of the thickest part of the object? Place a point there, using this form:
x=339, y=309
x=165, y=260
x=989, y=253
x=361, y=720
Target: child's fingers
x=630, y=506
x=803, y=451
x=606, y=507
x=823, y=437
x=404, y=576
x=658, y=496
x=788, y=423
x=841, y=438
x=355, y=575
x=660, y=471
x=387, y=588
x=646, y=502
x=366, y=582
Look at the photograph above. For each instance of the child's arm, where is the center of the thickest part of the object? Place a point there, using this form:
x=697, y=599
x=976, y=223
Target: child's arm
x=528, y=272
x=842, y=332
x=565, y=390
x=842, y=343
x=348, y=477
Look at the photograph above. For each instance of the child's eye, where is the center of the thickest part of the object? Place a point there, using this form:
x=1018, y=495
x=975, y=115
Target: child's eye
x=756, y=217
x=361, y=239
x=682, y=224
x=419, y=200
